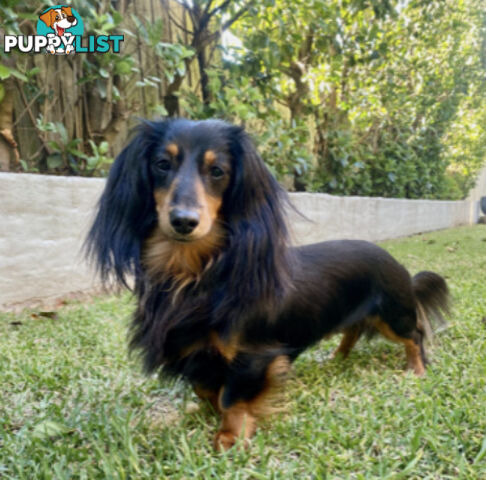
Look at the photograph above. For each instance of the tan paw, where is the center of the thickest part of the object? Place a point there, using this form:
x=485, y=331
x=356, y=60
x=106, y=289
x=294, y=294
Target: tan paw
x=417, y=368
x=339, y=354
x=224, y=441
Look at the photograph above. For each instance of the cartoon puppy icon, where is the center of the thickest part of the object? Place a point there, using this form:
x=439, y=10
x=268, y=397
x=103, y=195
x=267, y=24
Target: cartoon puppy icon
x=59, y=19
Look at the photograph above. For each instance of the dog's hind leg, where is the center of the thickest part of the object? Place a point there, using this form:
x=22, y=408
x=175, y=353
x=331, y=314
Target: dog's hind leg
x=350, y=336
x=412, y=343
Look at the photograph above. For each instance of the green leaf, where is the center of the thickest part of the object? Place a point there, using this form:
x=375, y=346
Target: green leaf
x=482, y=452
x=19, y=75
x=61, y=129
x=78, y=153
x=117, y=17
x=92, y=162
x=103, y=147
x=54, y=161
x=5, y=72
x=127, y=32
x=123, y=67
x=73, y=143
x=101, y=86
x=140, y=27
x=54, y=145
x=160, y=110
x=33, y=71
x=169, y=75
x=115, y=92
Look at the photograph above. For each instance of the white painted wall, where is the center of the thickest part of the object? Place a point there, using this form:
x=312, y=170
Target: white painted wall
x=372, y=218
x=44, y=219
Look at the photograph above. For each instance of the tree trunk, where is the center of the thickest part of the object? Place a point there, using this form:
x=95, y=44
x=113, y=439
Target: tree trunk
x=9, y=154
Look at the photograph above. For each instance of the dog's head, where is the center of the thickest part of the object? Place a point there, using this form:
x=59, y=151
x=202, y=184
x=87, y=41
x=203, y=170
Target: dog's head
x=196, y=188
x=59, y=19
x=190, y=169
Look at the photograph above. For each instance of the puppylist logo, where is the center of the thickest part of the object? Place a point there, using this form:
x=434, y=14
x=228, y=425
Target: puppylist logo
x=60, y=32
x=60, y=25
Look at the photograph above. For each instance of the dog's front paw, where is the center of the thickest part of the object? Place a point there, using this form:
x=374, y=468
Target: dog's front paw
x=69, y=49
x=51, y=49
x=224, y=441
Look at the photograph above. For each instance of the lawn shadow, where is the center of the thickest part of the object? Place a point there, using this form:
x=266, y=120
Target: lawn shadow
x=377, y=355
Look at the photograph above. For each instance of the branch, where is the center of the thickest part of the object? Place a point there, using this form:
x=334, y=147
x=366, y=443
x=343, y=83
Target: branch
x=189, y=9
x=177, y=24
x=207, y=7
x=282, y=102
x=237, y=15
x=10, y=139
x=220, y=7
x=34, y=98
x=31, y=115
x=215, y=35
x=306, y=48
x=206, y=15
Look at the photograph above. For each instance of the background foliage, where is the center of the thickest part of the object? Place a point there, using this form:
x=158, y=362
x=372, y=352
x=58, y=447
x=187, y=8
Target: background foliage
x=355, y=97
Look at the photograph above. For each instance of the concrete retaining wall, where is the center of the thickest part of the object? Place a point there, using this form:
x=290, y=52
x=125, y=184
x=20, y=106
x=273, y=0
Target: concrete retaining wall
x=44, y=219
x=373, y=218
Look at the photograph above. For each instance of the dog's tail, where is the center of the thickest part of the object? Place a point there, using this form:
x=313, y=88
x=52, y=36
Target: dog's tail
x=432, y=299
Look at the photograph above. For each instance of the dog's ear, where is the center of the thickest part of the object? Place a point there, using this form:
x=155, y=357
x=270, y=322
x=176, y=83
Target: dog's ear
x=253, y=188
x=49, y=17
x=254, y=210
x=126, y=210
x=67, y=11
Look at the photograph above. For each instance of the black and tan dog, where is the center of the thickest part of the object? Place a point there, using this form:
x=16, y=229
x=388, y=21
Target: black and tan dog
x=191, y=211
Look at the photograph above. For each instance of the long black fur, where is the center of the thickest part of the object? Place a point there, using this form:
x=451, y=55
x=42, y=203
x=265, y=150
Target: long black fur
x=276, y=299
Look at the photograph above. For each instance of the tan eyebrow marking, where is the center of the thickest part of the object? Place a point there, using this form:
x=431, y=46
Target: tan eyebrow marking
x=173, y=149
x=209, y=157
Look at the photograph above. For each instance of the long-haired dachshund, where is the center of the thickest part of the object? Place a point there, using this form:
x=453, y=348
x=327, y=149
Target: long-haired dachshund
x=191, y=213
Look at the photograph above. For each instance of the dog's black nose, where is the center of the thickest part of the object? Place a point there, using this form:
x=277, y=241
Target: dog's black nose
x=71, y=19
x=184, y=221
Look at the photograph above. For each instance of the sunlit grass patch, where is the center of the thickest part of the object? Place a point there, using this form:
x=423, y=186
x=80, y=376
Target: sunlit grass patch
x=73, y=405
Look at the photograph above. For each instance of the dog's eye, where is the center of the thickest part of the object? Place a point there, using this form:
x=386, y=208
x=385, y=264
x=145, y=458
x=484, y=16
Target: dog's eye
x=216, y=172
x=163, y=165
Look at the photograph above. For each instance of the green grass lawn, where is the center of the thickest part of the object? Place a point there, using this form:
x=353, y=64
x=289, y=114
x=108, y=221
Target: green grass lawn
x=72, y=405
